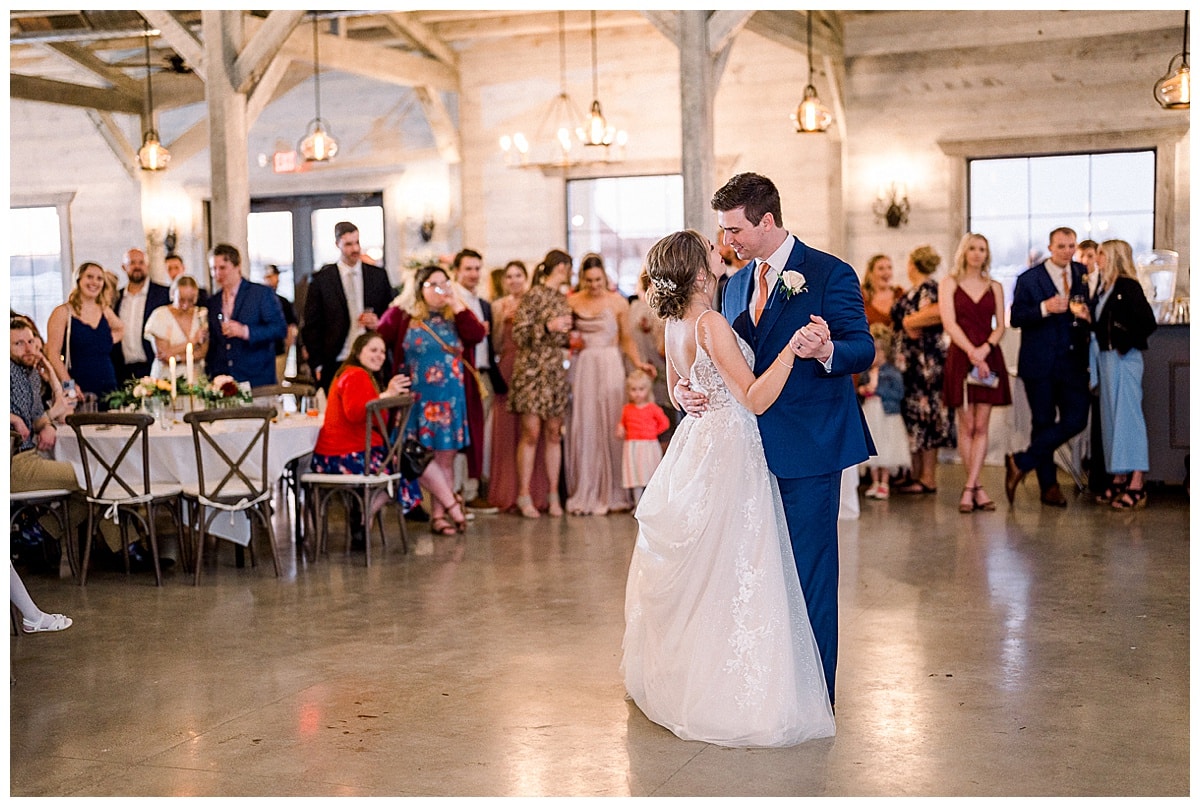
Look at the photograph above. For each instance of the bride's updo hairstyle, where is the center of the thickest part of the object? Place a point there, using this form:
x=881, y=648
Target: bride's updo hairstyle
x=672, y=267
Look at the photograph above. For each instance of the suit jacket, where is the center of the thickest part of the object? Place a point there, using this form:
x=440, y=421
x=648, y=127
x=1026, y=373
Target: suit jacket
x=250, y=360
x=1054, y=344
x=156, y=295
x=816, y=426
x=326, y=320
x=1127, y=320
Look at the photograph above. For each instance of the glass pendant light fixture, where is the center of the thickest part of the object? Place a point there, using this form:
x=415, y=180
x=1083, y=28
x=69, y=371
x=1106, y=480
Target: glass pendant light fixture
x=597, y=131
x=318, y=144
x=1174, y=90
x=152, y=156
x=811, y=115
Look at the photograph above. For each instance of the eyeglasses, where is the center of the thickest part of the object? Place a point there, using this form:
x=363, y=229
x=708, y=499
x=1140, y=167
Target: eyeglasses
x=429, y=284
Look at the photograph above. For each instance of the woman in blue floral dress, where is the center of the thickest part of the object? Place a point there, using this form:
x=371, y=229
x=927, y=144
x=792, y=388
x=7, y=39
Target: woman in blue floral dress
x=428, y=331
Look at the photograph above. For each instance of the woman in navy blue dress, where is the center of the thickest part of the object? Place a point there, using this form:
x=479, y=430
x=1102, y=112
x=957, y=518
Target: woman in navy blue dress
x=81, y=334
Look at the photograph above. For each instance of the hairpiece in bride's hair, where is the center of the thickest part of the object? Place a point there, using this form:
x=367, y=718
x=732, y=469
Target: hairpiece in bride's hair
x=663, y=284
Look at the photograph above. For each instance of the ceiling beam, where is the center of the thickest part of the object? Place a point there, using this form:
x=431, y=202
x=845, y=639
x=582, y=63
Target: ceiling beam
x=30, y=88
x=281, y=76
x=179, y=37
x=421, y=35
x=790, y=29
x=723, y=27
x=376, y=62
x=666, y=23
x=263, y=47
x=115, y=138
x=94, y=64
x=445, y=133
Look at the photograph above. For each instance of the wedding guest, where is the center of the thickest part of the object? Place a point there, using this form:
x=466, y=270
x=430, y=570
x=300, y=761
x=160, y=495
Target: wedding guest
x=506, y=426
x=171, y=328
x=81, y=334
x=284, y=345
x=428, y=331
x=466, y=268
x=1085, y=253
x=539, y=390
x=597, y=377
x=972, y=309
x=1123, y=322
x=55, y=399
x=244, y=322
x=881, y=389
x=33, y=619
x=879, y=293
x=339, y=448
x=134, y=305
x=648, y=330
x=921, y=357
x=642, y=421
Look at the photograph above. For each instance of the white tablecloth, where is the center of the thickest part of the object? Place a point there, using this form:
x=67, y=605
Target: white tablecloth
x=173, y=455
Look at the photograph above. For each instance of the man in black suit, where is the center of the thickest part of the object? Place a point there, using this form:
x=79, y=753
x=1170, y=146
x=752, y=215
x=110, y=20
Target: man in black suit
x=467, y=266
x=1053, y=363
x=283, y=346
x=134, y=354
x=341, y=295
x=176, y=270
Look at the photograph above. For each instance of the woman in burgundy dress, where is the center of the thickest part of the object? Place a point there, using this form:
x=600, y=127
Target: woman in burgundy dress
x=976, y=378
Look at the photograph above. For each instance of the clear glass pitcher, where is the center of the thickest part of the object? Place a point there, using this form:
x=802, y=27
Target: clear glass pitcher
x=1158, y=270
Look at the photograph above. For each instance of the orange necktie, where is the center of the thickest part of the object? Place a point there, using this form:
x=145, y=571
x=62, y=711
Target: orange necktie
x=762, y=291
x=1066, y=283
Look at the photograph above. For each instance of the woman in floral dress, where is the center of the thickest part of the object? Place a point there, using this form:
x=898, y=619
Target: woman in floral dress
x=428, y=332
x=921, y=347
x=539, y=390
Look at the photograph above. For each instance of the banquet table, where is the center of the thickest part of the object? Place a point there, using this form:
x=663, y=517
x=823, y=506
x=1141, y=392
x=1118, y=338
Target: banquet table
x=173, y=454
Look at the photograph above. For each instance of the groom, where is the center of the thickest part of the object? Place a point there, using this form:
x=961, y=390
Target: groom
x=816, y=427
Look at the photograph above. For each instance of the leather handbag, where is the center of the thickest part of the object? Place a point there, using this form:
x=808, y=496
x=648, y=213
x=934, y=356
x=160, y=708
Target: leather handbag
x=414, y=458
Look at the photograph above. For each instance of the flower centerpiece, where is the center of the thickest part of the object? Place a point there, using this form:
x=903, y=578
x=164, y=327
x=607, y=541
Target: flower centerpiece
x=136, y=391
x=221, y=391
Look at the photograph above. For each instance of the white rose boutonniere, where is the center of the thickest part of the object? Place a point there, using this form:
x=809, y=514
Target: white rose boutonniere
x=793, y=283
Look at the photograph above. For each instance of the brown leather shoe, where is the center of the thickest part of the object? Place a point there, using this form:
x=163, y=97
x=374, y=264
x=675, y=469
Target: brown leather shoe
x=1012, y=477
x=1053, y=496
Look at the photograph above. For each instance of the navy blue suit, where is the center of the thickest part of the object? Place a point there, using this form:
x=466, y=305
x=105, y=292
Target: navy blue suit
x=816, y=427
x=156, y=295
x=250, y=359
x=1053, y=366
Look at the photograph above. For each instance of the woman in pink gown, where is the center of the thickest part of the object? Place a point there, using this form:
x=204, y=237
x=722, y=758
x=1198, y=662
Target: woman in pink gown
x=506, y=427
x=593, y=449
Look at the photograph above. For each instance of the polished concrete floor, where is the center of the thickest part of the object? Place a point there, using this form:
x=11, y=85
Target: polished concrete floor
x=1027, y=652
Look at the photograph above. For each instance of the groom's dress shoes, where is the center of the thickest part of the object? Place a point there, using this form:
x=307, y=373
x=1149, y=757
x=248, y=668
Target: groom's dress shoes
x=1053, y=496
x=1012, y=477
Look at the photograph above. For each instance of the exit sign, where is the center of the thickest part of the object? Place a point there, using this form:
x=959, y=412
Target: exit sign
x=285, y=162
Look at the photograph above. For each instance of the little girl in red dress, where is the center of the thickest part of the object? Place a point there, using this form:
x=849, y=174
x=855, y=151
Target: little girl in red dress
x=642, y=421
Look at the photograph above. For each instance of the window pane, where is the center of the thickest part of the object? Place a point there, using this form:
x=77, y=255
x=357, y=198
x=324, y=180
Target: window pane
x=35, y=263
x=1058, y=185
x=999, y=187
x=621, y=218
x=270, y=241
x=1112, y=190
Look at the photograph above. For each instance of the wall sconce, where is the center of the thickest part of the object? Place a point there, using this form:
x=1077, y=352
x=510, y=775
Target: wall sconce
x=891, y=204
x=426, y=229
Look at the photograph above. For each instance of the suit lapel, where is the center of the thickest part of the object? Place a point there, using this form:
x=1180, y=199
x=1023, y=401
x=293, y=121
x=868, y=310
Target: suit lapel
x=776, y=297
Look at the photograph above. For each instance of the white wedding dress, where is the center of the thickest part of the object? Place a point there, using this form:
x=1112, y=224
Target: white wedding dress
x=718, y=646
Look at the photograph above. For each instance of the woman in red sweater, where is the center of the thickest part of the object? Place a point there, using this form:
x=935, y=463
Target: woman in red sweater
x=339, y=448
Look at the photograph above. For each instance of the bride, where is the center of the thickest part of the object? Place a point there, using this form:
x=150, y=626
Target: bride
x=718, y=646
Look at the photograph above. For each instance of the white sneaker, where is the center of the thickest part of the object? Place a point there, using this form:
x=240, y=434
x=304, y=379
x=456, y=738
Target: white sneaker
x=872, y=492
x=881, y=491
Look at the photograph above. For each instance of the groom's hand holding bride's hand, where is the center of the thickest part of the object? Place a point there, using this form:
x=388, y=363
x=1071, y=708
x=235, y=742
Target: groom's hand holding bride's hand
x=813, y=341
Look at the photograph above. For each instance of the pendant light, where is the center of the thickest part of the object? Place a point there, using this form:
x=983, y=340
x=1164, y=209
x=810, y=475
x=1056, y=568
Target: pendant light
x=596, y=131
x=1174, y=90
x=152, y=156
x=318, y=144
x=811, y=115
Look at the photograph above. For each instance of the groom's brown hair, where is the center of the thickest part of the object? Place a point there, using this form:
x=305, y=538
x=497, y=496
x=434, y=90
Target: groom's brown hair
x=754, y=192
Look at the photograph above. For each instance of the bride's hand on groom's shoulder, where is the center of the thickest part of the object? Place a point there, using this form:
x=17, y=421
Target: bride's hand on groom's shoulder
x=690, y=401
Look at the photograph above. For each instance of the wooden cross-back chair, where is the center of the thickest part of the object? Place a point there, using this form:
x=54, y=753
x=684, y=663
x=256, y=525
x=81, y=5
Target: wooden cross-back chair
x=122, y=485
x=223, y=483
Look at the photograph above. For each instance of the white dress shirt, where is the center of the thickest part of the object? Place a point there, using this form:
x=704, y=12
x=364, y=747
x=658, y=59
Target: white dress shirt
x=133, y=314
x=776, y=263
x=352, y=286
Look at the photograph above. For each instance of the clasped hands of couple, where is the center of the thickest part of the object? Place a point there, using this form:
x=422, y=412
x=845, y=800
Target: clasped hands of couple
x=813, y=341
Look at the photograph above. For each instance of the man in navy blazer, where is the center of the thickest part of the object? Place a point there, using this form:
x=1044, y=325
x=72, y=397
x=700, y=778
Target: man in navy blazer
x=816, y=427
x=1052, y=363
x=134, y=354
x=244, y=323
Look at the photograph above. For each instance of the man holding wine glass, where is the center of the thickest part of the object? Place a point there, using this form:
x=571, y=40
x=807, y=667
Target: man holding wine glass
x=244, y=322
